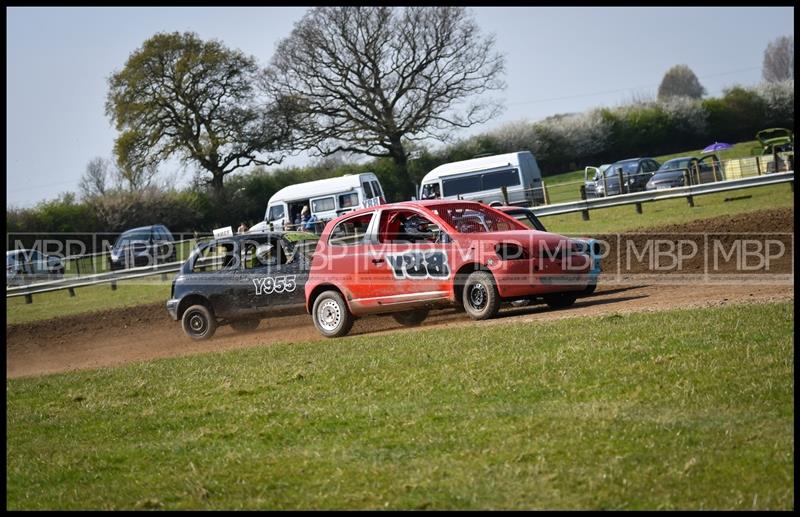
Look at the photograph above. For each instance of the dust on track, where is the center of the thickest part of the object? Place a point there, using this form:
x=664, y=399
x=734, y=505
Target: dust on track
x=115, y=337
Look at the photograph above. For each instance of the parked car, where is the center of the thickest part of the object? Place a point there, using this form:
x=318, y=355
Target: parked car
x=239, y=280
x=591, y=176
x=482, y=179
x=777, y=142
x=24, y=266
x=405, y=258
x=144, y=246
x=590, y=246
x=636, y=172
x=774, y=140
x=686, y=170
x=325, y=200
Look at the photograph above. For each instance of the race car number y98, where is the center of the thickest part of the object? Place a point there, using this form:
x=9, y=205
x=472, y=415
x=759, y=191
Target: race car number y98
x=278, y=284
x=419, y=264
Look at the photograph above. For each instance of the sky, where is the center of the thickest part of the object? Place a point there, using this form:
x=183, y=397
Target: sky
x=558, y=60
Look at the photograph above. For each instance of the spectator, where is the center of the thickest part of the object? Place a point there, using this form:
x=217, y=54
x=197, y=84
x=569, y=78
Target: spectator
x=242, y=228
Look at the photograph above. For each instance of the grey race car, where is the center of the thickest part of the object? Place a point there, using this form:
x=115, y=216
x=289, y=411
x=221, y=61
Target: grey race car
x=241, y=279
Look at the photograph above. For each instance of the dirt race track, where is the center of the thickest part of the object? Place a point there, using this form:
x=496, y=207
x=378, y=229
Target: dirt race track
x=141, y=333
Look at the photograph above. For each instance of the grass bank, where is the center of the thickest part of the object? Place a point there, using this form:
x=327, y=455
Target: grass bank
x=681, y=409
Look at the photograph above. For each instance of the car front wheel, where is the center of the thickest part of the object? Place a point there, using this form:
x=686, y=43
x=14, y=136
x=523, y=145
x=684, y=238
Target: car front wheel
x=331, y=315
x=198, y=322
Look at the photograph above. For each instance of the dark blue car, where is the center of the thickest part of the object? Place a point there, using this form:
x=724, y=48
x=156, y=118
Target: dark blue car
x=241, y=279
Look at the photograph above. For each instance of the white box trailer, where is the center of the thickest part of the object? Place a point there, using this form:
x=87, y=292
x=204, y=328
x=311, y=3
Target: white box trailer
x=482, y=179
x=326, y=199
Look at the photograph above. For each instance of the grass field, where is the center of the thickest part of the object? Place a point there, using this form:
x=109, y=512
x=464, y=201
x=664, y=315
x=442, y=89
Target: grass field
x=684, y=409
x=671, y=211
x=566, y=186
x=86, y=299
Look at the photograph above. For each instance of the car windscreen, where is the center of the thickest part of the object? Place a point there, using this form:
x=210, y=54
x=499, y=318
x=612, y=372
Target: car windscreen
x=675, y=164
x=126, y=238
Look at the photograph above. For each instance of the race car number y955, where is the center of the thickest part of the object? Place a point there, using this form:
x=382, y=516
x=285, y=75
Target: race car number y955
x=278, y=284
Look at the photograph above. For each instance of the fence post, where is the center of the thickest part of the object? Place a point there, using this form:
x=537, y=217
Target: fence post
x=639, y=208
x=696, y=173
x=504, y=192
x=78, y=266
x=714, y=170
x=546, y=195
x=619, y=175
x=585, y=214
x=583, y=192
x=71, y=292
x=758, y=165
x=113, y=285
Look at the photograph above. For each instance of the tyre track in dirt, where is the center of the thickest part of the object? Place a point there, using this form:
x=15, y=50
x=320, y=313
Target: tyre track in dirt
x=115, y=337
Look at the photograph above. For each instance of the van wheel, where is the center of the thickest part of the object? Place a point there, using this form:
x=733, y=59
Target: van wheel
x=245, y=325
x=560, y=300
x=480, y=297
x=331, y=315
x=411, y=318
x=198, y=322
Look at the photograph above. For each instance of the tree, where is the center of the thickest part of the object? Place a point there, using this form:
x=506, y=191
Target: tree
x=96, y=179
x=370, y=80
x=779, y=60
x=680, y=81
x=180, y=96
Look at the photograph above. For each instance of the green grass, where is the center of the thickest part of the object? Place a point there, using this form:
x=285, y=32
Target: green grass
x=671, y=211
x=683, y=409
x=86, y=299
x=566, y=186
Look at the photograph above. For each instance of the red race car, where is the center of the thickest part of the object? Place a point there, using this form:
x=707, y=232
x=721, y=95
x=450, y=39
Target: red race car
x=406, y=258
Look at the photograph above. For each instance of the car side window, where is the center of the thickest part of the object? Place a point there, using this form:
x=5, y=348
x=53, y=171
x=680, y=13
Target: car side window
x=404, y=226
x=216, y=257
x=351, y=231
x=262, y=253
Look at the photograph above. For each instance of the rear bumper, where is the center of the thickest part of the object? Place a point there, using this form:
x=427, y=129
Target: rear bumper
x=172, y=309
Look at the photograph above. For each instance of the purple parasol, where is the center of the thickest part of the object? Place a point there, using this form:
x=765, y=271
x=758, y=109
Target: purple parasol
x=717, y=146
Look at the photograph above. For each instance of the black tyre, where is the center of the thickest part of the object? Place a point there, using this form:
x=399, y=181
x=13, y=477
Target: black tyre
x=590, y=288
x=331, y=315
x=560, y=300
x=198, y=322
x=480, y=297
x=411, y=318
x=245, y=325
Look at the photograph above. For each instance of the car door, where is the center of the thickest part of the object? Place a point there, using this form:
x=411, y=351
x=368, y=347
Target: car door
x=412, y=253
x=214, y=276
x=349, y=261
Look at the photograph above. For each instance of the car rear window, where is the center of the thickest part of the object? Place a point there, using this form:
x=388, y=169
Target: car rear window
x=350, y=232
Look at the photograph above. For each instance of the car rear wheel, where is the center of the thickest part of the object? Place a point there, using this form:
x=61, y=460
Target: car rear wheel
x=331, y=315
x=590, y=288
x=480, y=297
x=198, y=322
x=560, y=300
x=411, y=318
x=245, y=325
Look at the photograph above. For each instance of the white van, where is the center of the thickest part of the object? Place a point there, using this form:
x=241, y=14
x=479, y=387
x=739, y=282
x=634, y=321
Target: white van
x=481, y=179
x=326, y=199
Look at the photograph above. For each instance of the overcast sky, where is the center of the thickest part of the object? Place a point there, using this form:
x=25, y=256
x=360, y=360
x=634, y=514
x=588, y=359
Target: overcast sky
x=558, y=60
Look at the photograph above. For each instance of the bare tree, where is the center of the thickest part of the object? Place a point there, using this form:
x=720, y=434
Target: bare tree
x=779, y=60
x=97, y=179
x=680, y=81
x=372, y=79
x=181, y=96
